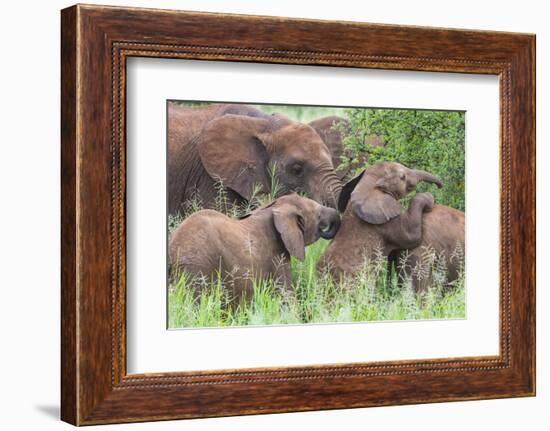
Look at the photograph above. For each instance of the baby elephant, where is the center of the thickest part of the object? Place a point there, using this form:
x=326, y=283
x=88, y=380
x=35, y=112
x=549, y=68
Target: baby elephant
x=374, y=220
x=256, y=246
x=442, y=239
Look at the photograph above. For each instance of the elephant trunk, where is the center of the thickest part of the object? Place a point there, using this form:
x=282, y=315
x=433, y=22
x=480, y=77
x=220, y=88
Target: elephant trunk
x=325, y=186
x=427, y=177
x=329, y=223
x=331, y=191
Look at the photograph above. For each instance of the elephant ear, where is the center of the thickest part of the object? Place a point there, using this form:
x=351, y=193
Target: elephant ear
x=329, y=131
x=348, y=188
x=290, y=225
x=371, y=204
x=232, y=151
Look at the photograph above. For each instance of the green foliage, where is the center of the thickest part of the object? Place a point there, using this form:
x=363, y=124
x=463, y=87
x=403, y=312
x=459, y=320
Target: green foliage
x=419, y=139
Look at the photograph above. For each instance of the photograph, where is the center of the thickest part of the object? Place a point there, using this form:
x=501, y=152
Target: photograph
x=298, y=214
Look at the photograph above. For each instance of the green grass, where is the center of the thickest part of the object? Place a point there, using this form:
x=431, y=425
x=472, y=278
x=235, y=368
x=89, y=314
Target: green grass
x=373, y=295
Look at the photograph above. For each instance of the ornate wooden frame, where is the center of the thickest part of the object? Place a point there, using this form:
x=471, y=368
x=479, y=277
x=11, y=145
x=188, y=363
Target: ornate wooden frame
x=95, y=43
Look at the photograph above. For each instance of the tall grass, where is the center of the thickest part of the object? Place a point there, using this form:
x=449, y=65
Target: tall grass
x=375, y=294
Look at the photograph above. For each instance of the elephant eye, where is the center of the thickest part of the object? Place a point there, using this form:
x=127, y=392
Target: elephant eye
x=297, y=168
x=402, y=177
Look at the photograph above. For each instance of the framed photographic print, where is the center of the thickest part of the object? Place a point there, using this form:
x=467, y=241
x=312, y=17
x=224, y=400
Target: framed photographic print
x=317, y=215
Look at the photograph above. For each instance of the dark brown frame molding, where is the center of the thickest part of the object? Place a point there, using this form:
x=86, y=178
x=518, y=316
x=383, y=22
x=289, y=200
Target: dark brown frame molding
x=95, y=43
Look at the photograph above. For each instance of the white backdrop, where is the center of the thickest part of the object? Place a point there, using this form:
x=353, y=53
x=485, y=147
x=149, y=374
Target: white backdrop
x=29, y=227
x=151, y=348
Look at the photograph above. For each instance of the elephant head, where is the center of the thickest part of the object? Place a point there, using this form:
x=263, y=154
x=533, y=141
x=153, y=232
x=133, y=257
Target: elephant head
x=301, y=221
x=374, y=193
x=244, y=151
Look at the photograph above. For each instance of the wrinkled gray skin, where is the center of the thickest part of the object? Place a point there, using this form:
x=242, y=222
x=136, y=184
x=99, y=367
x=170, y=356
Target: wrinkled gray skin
x=239, y=146
x=443, y=232
x=258, y=245
x=374, y=220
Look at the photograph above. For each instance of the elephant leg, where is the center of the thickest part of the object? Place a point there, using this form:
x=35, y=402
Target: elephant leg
x=393, y=266
x=408, y=262
x=283, y=276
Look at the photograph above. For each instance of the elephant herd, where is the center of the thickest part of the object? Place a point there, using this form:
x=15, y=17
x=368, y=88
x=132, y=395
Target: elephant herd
x=240, y=149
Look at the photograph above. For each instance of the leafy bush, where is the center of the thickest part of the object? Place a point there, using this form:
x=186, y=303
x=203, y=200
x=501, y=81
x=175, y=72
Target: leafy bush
x=419, y=139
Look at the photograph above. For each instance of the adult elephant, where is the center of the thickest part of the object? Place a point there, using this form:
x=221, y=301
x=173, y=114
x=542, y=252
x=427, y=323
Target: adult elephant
x=374, y=222
x=241, y=149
